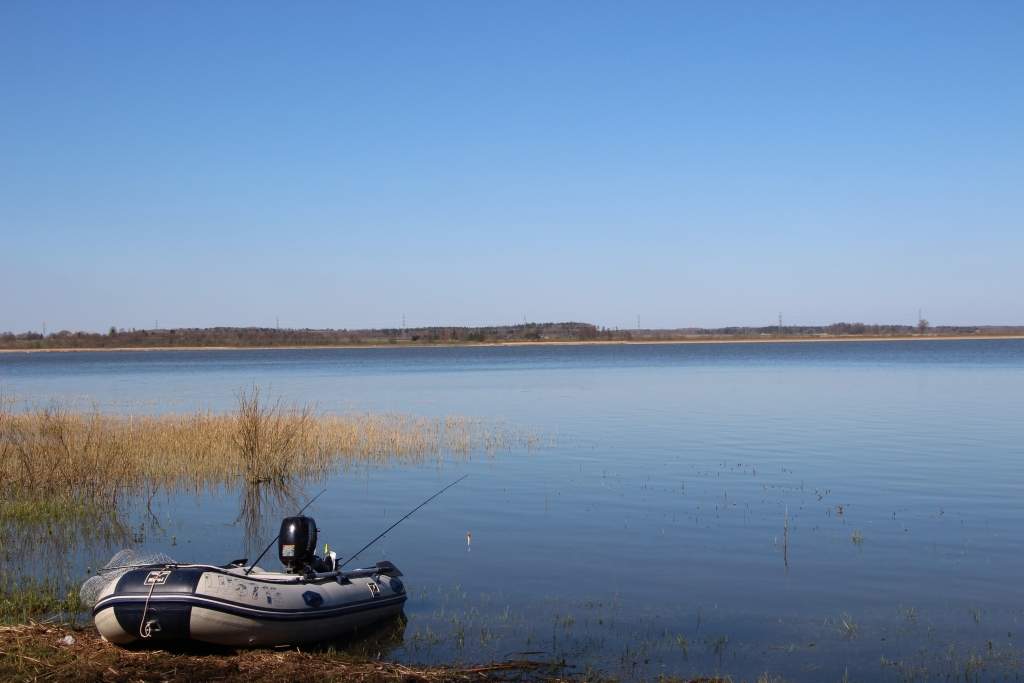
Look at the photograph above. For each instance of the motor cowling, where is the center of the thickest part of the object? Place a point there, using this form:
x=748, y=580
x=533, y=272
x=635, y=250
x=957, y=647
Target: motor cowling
x=296, y=545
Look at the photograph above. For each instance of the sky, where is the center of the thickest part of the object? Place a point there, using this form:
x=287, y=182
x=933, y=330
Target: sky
x=344, y=165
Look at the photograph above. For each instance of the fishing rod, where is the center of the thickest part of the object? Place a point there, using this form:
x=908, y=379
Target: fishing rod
x=267, y=549
x=407, y=516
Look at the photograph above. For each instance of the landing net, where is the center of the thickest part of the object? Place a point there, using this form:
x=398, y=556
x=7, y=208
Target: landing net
x=121, y=563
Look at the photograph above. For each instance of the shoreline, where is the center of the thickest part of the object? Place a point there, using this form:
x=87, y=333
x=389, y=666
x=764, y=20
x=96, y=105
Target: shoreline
x=70, y=652
x=569, y=342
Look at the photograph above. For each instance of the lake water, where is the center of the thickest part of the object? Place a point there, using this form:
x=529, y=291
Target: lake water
x=647, y=534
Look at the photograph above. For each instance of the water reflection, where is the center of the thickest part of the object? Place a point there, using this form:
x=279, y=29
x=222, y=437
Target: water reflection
x=377, y=641
x=62, y=550
x=43, y=559
x=43, y=562
x=262, y=501
x=43, y=542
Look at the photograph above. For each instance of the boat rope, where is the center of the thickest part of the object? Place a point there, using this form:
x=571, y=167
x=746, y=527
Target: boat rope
x=146, y=629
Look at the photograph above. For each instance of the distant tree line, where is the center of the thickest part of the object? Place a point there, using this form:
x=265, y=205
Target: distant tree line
x=563, y=331
x=833, y=330
x=271, y=336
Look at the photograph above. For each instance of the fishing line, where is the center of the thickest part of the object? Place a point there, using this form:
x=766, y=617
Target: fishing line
x=407, y=516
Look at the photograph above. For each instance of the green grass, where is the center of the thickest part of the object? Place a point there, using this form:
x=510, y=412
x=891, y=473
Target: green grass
x=50, y=511
x=29, y=599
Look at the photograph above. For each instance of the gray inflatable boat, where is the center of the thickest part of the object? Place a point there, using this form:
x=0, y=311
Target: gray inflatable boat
x=242, y=605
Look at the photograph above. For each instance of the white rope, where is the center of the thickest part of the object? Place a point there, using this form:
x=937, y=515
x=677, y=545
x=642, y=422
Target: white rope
x=146, y=630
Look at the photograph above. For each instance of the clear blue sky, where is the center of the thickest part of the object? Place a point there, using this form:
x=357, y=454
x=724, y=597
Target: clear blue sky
x=340, y=164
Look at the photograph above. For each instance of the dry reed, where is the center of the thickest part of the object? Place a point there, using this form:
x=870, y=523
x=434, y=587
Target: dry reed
x=56, y=461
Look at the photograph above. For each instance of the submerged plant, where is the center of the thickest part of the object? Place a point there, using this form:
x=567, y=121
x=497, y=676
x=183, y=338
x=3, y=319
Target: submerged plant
x=847, y=626
x=683, y=645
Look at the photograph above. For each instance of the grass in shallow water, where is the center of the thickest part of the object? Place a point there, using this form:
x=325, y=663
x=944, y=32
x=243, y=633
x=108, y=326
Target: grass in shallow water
x=57, y=464
x=27, y=598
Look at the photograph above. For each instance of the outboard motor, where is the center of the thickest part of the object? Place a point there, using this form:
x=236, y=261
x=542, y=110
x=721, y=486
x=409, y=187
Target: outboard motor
x=296, y=546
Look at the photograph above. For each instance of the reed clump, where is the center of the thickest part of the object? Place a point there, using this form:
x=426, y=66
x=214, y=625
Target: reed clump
x=55, y=461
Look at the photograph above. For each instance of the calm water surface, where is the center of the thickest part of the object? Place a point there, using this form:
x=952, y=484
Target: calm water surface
x=647, y=535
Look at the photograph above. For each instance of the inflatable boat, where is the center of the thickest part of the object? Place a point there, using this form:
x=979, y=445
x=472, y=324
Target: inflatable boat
x=241, y=605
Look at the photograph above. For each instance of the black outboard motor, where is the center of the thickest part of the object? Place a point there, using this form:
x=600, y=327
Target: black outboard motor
x=296, y=546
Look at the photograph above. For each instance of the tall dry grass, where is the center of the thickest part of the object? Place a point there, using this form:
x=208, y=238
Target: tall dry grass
x=54, y=460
